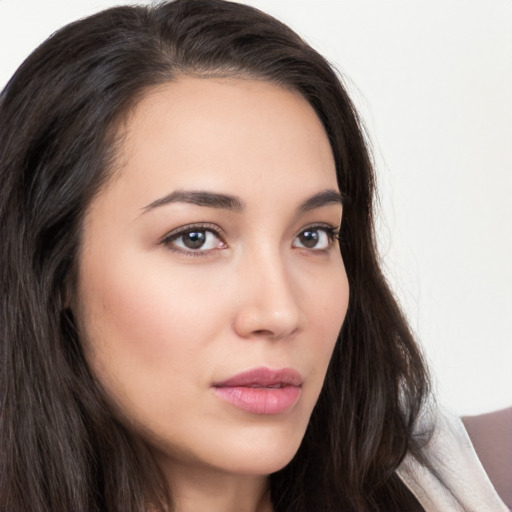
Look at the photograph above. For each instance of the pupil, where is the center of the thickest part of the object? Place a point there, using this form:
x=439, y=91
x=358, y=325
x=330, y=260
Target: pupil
x=194, y=239
x=309, y=238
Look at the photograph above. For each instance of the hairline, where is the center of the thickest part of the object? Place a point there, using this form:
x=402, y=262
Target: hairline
x=118, y=128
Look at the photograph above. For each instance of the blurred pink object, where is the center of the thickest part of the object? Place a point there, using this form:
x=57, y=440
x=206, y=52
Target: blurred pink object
x=491, y=435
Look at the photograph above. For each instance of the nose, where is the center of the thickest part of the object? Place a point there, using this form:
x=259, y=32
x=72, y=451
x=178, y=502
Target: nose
x=269, y=304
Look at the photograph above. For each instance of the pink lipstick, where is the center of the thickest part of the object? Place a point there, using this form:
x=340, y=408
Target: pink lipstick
x=262, y=390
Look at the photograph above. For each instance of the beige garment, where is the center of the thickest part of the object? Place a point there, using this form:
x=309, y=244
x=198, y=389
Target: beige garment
x=461, y=484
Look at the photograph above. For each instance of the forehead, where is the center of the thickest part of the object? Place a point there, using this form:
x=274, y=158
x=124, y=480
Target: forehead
x=227, y=133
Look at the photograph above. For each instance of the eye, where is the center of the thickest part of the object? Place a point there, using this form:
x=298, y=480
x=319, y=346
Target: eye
x=196, y=239
x=316, y=238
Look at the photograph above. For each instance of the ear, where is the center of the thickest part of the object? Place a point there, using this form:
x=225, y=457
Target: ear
x=67, y=292
x=65, y=295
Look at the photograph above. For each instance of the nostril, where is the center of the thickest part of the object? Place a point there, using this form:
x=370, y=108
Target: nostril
x=263, y=332
x=269, y=308
x=253, y=322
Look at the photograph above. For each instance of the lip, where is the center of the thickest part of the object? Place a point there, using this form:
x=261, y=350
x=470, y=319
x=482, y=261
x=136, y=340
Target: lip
x=262, y=390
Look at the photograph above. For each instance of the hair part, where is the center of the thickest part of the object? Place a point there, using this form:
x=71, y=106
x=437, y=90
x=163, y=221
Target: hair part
x=64, y=445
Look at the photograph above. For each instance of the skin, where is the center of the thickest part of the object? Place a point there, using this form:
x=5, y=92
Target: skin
x=162, y=322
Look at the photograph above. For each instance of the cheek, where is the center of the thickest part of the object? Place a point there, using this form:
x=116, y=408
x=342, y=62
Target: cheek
x=121, y=313
x=327, y=305
x=328, y=301
x=141, y=332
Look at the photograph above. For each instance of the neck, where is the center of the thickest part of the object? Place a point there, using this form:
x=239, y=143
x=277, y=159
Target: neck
x=196, y=489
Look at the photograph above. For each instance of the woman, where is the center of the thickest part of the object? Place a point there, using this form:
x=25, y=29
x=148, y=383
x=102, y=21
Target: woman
x=193, y=316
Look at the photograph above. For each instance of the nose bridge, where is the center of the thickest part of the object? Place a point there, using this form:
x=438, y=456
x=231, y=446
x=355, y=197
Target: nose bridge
x=270, y=304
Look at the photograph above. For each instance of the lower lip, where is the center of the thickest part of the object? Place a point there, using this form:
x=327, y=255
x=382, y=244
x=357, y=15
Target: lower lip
x=260, y=400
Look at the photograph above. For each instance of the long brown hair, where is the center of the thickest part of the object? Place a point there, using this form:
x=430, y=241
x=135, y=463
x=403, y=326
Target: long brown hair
x=63, y=447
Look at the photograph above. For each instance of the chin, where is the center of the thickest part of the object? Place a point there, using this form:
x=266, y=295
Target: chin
x=263, y=453
x=258, y=464
x=254, y=451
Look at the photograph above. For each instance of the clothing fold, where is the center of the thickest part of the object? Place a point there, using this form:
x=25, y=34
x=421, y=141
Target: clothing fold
x=454, y=479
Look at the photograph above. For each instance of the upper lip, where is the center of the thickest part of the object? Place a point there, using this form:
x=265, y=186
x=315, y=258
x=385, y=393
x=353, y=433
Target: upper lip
x=263, y=377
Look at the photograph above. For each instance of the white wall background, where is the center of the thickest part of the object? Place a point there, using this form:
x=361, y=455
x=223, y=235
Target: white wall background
x=433, y=80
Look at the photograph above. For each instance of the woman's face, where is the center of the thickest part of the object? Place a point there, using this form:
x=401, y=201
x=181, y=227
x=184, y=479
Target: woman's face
x=211, y=288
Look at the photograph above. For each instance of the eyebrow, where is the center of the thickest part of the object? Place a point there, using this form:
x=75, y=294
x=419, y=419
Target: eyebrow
x=323, y=198
x=234, y=203
x=199, y=198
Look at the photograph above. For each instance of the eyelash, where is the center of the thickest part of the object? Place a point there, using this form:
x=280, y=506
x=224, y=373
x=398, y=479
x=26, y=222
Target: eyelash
x=333, y=233
x=190, y=228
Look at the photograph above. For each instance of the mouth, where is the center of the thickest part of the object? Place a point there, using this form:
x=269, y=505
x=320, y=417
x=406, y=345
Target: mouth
x=262, y=390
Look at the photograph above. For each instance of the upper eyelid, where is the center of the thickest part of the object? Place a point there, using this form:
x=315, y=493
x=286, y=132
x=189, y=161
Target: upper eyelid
x=334, y=229
x=219, y=232
x=199, y=226
x=320, y=225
